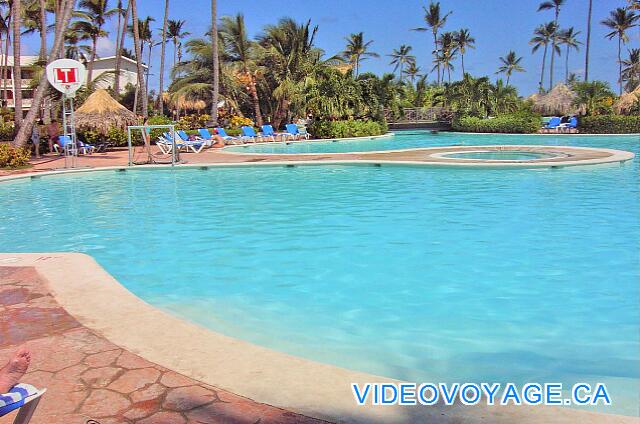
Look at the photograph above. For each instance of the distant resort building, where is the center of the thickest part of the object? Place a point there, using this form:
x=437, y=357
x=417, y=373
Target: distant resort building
x=103, y=75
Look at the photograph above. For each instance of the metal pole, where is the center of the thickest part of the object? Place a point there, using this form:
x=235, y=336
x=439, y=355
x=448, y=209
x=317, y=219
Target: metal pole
x=173, y=150
x=129, y=144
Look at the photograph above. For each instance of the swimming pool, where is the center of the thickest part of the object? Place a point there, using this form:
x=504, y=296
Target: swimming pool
x=416, y=139
x=500, y=155
x=422, y=274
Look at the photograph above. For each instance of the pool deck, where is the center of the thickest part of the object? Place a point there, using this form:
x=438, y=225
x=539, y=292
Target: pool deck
x=105, y=354
x=570, y=156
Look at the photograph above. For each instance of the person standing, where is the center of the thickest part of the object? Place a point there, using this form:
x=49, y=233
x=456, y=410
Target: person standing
x=53, y=131
x=35, y=138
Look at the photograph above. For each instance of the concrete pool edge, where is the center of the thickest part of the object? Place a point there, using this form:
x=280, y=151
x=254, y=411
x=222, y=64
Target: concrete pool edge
x=99, y=302
x=373, y=158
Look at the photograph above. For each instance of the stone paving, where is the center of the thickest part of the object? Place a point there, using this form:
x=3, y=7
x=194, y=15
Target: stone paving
x=120, y=157
x=89, y=378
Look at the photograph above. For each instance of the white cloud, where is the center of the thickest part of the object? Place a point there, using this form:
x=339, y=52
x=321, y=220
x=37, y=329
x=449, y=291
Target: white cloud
x=105, y=47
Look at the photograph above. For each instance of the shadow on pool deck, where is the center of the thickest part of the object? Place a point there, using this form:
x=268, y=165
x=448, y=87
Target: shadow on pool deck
x=88, y=377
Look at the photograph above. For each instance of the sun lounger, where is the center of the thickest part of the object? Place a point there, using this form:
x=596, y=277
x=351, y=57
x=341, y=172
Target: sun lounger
x=573, y=123
x=267, y=130
x=222, y=133
x=24, y=397
x=65, y=145
x=553, y=123
x=248, y=133
x=295, y=132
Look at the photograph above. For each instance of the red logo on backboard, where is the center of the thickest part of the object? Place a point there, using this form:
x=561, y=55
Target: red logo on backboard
x=66, y=75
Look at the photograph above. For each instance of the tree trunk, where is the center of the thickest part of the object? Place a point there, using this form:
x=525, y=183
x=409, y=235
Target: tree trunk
x=216, y=71
x=94, y=48
x=508, y=77
x=254, y=97
x=2, y=74
x=586, y=60
x=119, y=47
x=544, y=60
x=136, y=43
x=566, y=67
x=175, y=51
x=115, y=77
x=25, y=129
x=43, y=30
x=146, y=86
x=553, y=50
x=17, y=70
x=620, y=63
x=435, y=44
x=5, y=68
x=462, y=56
x=162, y=54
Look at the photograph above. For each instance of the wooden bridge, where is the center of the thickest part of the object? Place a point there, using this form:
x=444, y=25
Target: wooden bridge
x=425, y=118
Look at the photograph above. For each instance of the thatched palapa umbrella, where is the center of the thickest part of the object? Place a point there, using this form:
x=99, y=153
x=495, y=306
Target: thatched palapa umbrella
x=624, y=104
x=101, y=112
x=559, y=101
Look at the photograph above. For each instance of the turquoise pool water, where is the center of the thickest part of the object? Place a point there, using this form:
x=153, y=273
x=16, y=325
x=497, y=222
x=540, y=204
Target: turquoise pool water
x=410, y=140
x=421, y=274
x=506, y=155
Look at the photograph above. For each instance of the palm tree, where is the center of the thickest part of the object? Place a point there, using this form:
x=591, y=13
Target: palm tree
x=92, y=19
x=447, y=53
x=568, y=38
x=138, y=50
x=43, y=29
x=17, y=70
x=123, y=18
x=400, y=57
x=434, y=22
x=216, y=64
x=510, y=64
x=5, y=30
x=555, y=5
x=586, y=56
x=176, y=34
x=357, y=50
x=620, y=21
x=464, y=40
x=631, y=70
x=239, y=49
x=162, y=57
x=594, y=96
x=542, y=36
x=62, y=21
x=413, y=72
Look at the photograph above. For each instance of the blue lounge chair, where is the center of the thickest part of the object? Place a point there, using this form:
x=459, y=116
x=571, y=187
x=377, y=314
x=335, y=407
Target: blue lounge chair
x=205, y=134
x=573, y=123
x=23, y=397
x=222, y=133
x=553, y=123
x=295, y=132
x=65, y=144
x=249, y=133
x=268, y=131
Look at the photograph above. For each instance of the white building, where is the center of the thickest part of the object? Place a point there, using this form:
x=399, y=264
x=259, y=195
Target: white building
x=103, y=72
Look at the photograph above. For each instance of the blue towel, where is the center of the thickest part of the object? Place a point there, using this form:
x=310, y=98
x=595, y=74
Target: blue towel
x=16, y=397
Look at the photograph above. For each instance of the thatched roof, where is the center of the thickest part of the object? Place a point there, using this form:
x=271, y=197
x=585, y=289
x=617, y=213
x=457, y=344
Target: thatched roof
x=626, y=101
x=558, y=101
x=101, y=112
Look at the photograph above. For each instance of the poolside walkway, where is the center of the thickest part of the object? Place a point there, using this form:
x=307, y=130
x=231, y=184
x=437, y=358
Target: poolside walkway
x=434, y=156
x=88, y=377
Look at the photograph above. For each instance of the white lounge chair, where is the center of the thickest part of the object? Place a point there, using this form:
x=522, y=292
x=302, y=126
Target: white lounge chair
x=23, y=397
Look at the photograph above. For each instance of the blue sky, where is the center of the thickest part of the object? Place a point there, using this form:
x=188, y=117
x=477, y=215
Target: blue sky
x=497, y=25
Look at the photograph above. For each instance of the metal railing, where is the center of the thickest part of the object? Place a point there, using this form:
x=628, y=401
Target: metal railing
x=418, y=115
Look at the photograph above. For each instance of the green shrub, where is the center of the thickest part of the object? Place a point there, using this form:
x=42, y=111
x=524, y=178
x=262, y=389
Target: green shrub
x=118, y=137
x=7, y=131
x=193, y=122
x=346, y=129
x=516, y=123
x=155, y=134
x=13, y=157
x=609, y=124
